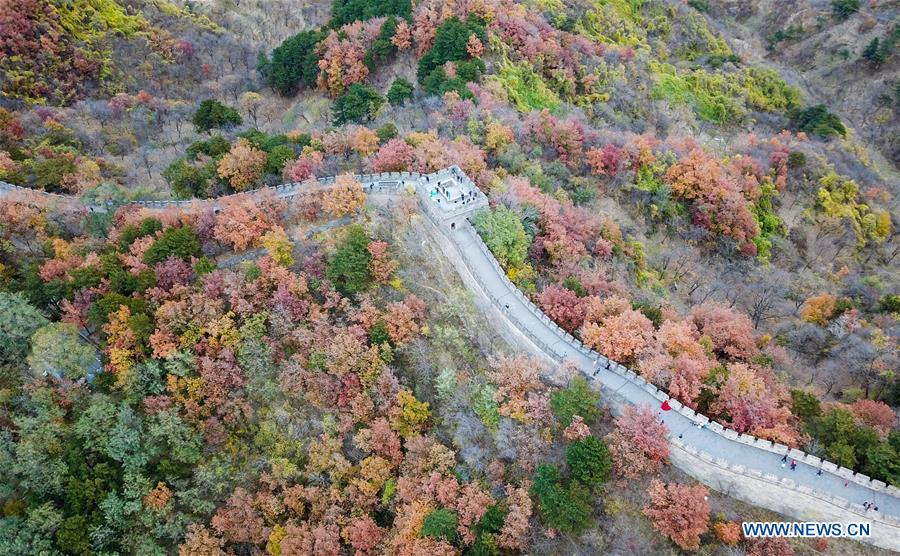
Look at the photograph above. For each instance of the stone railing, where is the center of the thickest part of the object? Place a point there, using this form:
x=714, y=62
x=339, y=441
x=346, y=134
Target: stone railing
x=382, y=183
x=569, y=345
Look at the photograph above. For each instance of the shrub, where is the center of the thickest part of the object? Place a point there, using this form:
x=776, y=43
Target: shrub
x=386, y=132
x=889, y=303
x=212, y=114
x=844, y=8
x=797, y=159
x=213, y=147
x=817, y=120
x=451, y=44
x=129, y=233
x=188, y=180
x=358, y=104
x=578, y=398
x=588, y=460
x=699, y=5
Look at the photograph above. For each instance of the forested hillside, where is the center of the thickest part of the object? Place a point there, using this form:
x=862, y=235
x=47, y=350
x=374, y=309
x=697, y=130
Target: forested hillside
x=705, y=191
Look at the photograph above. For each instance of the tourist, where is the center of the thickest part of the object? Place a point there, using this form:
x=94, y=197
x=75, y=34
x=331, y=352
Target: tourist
x=793, y=464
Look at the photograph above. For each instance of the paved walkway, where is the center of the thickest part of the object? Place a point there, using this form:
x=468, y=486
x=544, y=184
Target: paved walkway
x=555, y=345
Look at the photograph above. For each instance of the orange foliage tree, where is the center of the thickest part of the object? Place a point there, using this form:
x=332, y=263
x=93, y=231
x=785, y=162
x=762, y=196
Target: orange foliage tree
x=681, y=512
x=619, y=337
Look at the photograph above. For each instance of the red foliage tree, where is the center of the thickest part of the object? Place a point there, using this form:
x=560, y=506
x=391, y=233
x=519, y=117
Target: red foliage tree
x=305, y=167
x=241, y=222
x=728, y=532
x=877, y=415
x=565, y=136
x=381, y=266
x=620, y=337
x=605, y=161
x=514, y=534
x=638, y=444
x=769, y=546
x=563, y=306
x=364, y=534
x=394, y=156
x=731, y=332
x=239, y=521
x=753, y=402
x=681, y=512
x=719, y=203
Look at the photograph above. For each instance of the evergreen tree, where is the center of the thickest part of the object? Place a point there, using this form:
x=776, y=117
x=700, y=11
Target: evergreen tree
x=358, y=104
x=212, y=114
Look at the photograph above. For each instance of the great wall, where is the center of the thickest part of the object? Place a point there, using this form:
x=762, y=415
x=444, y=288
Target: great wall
x=739, y=465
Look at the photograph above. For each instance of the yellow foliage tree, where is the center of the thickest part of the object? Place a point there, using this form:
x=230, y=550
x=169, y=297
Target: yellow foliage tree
x=278, y=245
x=839, y=198
x=347, y=196
x=409, y=416
x=242, y=166
x=819, y=308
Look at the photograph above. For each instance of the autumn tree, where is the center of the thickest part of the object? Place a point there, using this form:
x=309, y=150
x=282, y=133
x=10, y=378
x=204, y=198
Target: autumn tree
x=605, y=161
x=394, y=156
x=242, y=166
x=639, y=444
x=304, y=167
x=681, y=512
x=875, y=414
x=363, y=534
x=515, y=377
x=242, y=221
x=562, y=305
x=409, y=416
x=345, y=197
x=819, y=308
x=731, y=332
x=729, y=532
x=516, y=524
x=381, y=265
x=619, y=337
